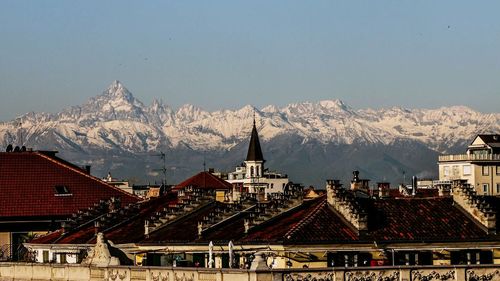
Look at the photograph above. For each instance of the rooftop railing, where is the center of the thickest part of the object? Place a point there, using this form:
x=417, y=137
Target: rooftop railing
x=469, y=157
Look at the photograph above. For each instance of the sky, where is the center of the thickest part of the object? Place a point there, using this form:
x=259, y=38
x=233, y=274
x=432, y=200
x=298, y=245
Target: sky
x=227, y=54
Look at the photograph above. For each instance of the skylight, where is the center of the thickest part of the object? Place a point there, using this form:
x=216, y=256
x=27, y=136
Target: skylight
x=61, y=190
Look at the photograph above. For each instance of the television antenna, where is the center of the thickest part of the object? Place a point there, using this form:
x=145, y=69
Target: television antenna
x=163, y=169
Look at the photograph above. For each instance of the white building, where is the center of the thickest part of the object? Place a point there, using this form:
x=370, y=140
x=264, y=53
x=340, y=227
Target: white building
x=252, y=176
x=122, y=184
x=480, y=166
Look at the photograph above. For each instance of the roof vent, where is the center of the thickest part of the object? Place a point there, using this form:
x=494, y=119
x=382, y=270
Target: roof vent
x=9, y=148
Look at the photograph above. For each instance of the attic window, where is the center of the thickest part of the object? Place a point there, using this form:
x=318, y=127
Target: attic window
x=61, y=190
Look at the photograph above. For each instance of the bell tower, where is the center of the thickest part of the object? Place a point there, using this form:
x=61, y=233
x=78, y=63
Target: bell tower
x=255, y=160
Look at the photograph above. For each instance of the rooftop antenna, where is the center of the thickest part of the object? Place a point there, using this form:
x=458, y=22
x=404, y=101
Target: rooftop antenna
x=204, y=162
x=163, y=157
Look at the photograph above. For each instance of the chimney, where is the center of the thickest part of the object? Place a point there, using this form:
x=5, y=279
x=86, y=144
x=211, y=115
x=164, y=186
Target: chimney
x=200, y=229
x=87, y=169
x=97, y=227
x=345, y=204
x=465, y=196
x=246, y=224
x=64, y=227
x=359, y=184
x=146, y=228
x=414, y=185
x=443, y=189
x=383, y=189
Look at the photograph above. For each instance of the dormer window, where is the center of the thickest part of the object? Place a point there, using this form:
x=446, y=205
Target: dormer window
x=61, y=190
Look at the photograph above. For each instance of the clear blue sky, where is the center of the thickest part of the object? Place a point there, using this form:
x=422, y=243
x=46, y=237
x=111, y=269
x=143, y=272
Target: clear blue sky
x=225, y=54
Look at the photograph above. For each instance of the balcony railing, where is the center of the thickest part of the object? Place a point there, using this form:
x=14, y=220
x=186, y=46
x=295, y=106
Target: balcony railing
x=469, y=157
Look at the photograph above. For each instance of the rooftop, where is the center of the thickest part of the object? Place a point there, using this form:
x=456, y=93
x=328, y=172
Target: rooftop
x=39, y=184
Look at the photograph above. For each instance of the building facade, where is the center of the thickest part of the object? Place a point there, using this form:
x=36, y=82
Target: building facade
x=480, y=165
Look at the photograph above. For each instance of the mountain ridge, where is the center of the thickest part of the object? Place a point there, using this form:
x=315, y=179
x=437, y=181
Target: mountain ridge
x=115, y=121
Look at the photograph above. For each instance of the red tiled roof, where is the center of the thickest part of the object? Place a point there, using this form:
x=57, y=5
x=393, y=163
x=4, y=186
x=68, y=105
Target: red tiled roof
x=28, y=180
x=321, y=224
x=277, y=230
x=126, y=230
x=184, y=230
x=133, y=230
x=314, y=221
x=204, y=180
x=414, y=219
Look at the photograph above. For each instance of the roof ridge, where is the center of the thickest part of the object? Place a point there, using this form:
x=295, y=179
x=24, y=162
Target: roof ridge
x=85, y=174
x=204, y=175
x=304, y=220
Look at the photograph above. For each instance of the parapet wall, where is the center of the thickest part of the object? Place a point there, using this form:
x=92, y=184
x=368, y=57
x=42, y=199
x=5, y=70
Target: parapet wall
x=42, y=272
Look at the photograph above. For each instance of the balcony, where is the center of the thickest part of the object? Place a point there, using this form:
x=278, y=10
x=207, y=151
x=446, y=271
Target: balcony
x=469, y=157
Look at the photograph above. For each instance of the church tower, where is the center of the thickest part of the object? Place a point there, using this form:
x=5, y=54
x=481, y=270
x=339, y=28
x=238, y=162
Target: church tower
x=255, y=160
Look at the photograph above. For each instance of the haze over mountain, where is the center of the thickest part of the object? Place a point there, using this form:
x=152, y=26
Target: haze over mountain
x=310, y=141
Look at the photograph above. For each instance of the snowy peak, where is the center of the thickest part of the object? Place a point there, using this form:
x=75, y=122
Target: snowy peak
x=115, y=103
x=116, y=89
x=119, y=97
x=334, y=105
x=115, y=119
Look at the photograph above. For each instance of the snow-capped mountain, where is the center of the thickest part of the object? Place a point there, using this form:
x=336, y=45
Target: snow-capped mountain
x=117, y=122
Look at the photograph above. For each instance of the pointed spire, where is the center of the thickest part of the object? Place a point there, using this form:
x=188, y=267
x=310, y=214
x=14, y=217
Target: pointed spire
x=254, y=150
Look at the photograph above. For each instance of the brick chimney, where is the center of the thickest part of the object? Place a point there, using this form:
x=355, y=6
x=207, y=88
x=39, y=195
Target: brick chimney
x=383, y=189
x=465, y=196
x=344, y=203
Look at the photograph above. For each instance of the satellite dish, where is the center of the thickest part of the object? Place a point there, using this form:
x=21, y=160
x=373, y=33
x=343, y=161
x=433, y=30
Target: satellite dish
x=9, y=148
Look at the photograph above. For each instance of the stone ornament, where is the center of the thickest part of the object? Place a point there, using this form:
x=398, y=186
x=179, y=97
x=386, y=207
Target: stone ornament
x=433, y=275
x=473, y=276
x=115, y=275
x=183, y=277
x=310, y=276
x=160, y=276
x=99, y=255
x=372, y=276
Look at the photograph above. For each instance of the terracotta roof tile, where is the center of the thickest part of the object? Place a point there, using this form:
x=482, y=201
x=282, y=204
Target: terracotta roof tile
x=28, y=183
x=204, y=180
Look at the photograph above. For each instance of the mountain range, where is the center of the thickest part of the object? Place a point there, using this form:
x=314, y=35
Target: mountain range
x=115, y=132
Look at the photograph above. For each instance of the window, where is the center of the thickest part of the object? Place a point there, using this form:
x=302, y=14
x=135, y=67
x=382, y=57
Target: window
x=498, y=170
x=498, y=188
x=485, y=170
x=63, y=258
x=45, y=255
x=456, y=170
x=446, y=170
x=413, y=258
x=466, y=170
x=471, y=257
x=61, y=190
x=348, y=259
x=257, y=169
x=485, y=188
